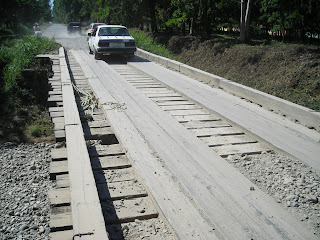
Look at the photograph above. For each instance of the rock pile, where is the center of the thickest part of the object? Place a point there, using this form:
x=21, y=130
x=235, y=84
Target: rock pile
x=292, y=183
x=24, y=184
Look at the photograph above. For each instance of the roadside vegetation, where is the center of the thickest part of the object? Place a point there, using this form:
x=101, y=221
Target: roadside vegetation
x=146, y=41
x=23, y=116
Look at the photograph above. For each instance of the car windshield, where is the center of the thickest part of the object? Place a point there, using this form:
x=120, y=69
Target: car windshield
x=113, y=31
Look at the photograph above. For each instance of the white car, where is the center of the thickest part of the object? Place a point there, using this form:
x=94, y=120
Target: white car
x=111, y=40
x=93, y=26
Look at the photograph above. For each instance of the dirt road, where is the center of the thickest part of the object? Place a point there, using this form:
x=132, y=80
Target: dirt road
x=68, y=41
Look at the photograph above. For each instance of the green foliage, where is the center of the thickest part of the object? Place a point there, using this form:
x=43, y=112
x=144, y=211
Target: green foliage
x=16, y=55
x=41, y=124
x=146, y=42
x=35, y=131
x=20, y=54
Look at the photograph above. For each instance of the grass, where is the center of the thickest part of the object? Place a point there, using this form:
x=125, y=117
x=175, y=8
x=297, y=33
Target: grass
x=21, y=117
x=146, y=42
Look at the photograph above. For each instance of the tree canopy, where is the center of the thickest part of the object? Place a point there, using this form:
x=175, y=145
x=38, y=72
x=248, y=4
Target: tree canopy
x=282, y=18
x=14, y=12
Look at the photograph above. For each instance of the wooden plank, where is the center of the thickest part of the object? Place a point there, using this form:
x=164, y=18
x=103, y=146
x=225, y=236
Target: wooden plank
x=196, y=118
x=224, y=140
x=58, y=168
x=59, y=126
x=115, y=175
x=60, y=218
x=58, y=154
x=85, y=204
x=59, y=196
x=261, y=122
x=58, y=120
x=55, y=92
x=61, y=235
x=180, y=107
x=56, y=114
x=97, y=132
x=203, y=132
x=140, y=208
x=159, y=95
x=97, y=124
x=110, y=162
x=231, y=196
x=205, y=124
x=166, y=99
x=55, y=98
x=186, y=222
x=120, y=190
x=62, y=181
x=105, y=150
x=71, y=114
x=252, y=148
x=153, y=90
x=55, y=109
x=188, y=112
x=174, y=103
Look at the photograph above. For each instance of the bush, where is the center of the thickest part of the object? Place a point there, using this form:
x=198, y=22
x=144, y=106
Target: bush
x=35, y=131
x=146, y=42
x=15, y=55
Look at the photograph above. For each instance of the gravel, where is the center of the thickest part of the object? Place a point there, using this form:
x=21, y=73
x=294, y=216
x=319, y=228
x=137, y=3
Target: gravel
x=292, y=183
x=24, y=184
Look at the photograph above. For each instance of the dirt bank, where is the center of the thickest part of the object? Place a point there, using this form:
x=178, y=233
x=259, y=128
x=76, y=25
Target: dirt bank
x=289, y=71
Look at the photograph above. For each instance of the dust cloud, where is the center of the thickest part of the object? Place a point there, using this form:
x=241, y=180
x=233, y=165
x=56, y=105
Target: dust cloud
x=69, y=41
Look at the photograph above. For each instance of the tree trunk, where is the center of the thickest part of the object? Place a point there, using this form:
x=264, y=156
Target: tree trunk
x=242, y=22
x=154, y=27
x=245, y=20
x=191, y=27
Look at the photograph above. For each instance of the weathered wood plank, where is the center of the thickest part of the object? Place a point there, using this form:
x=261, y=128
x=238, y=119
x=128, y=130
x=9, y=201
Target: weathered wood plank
x=180, y=107
x=85, y=204
x=110, y=162
x=188, y=221
x=141, y=208
x=205, y=124
x=58, y=154
x=61, y=235
x=60, y=218
x=120, y=190
x=55, y=109
x=59, y=196
x=105, y=150
x=251, y=148
x=56, y=114
x=115, y=175
x=223, y=140
x=203, y=132
x=188, y=112
x=207, y=167
x=196, y=118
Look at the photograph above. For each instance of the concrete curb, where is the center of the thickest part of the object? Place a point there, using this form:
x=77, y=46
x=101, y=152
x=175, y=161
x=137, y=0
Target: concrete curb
x=294, y=112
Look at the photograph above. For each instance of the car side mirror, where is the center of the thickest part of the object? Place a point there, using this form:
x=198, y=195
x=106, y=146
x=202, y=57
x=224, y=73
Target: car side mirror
x=89, y=34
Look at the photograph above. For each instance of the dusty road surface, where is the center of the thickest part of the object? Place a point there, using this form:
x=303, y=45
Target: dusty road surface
x=69, y=41
x=211, y=160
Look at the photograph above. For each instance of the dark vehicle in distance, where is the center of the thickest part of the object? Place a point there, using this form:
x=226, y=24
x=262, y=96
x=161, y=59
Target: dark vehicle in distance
x=74, y=27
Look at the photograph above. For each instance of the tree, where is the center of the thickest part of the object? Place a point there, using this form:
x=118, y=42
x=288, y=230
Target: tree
x=245, y=20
